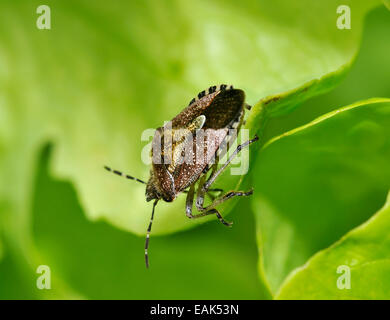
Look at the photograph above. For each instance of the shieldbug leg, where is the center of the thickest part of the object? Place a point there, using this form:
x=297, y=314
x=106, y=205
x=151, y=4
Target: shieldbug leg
x=203, y=188
x=224, y=198
x=189, y=203
x=211, y=208
x=216, y=212
x=207, y=213
x=215, y=174
x=200, y=193
x=213, y=170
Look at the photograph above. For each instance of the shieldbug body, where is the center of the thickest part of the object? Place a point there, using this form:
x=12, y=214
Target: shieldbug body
x=186, y=151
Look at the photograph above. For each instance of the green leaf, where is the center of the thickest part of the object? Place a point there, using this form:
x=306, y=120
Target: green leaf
x=103, y=74
x=371, y=63
x=1, y=250
x=317, y=182
x=355, y=267
x=99, y=261
x=14, y=284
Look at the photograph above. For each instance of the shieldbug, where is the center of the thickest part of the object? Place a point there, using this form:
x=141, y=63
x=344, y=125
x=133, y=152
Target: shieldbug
x=183, y=160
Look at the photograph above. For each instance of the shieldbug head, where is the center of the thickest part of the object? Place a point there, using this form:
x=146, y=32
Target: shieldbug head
x=184, y=163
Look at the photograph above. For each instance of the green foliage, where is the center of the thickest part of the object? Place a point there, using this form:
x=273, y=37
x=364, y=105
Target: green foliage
x=365, y=250
x=104, y=73
x=346, y=154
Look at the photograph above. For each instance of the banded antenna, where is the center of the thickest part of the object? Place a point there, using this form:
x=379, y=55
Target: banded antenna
x=148, y=235
x=119, y=173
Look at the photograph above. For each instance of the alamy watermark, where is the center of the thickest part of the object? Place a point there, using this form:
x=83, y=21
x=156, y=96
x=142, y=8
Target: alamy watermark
x=44, y=18
x=44, y=278
x=344, y=19
x=344, y=280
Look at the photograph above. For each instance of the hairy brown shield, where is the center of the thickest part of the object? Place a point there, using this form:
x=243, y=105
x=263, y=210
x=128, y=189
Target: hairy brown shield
x=186, y=150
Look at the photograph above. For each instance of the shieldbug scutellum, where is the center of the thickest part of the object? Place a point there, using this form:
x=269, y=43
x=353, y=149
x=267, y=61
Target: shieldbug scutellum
x=217, y=111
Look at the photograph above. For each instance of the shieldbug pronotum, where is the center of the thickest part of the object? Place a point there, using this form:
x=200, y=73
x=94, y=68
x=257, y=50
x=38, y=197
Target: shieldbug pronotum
x=186, y=152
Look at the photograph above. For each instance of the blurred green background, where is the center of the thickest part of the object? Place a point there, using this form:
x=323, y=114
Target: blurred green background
x=78, y=96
